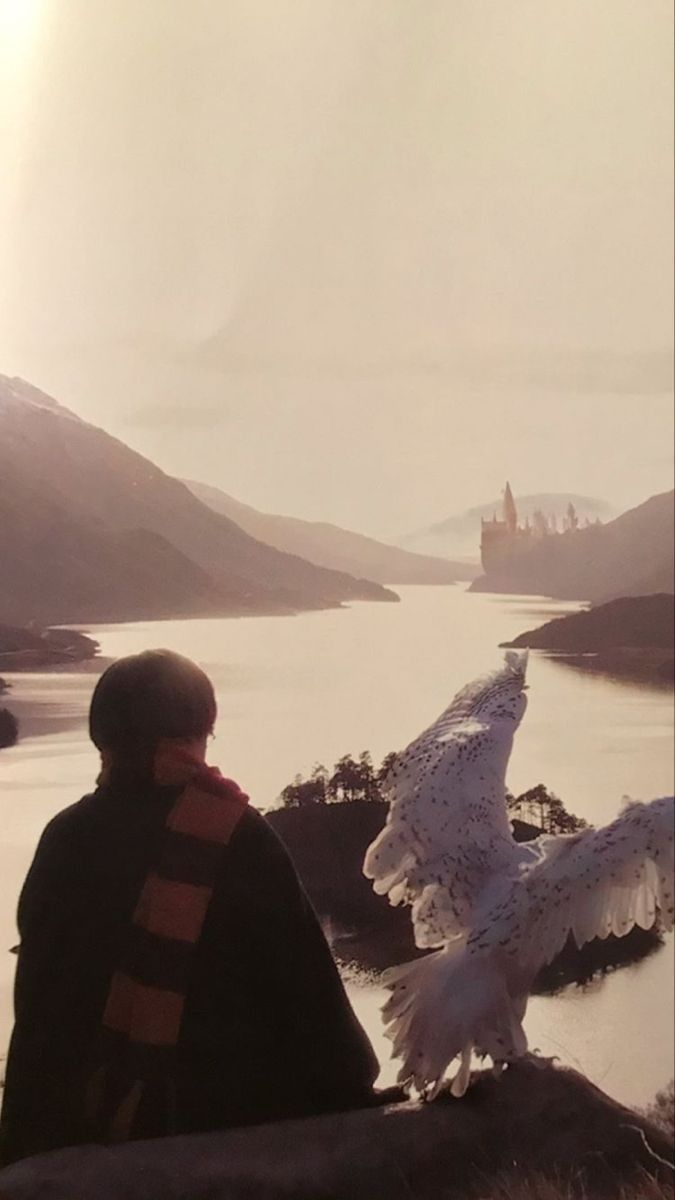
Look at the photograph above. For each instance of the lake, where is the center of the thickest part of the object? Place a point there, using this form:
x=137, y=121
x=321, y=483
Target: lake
x=295, y=691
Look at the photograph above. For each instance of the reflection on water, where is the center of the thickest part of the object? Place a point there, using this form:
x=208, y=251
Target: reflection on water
x=651, y=671
x=617, y=1032
x=307, y=689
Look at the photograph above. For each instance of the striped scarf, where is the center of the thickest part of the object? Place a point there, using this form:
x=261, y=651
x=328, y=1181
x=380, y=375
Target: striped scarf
x=144, y=1009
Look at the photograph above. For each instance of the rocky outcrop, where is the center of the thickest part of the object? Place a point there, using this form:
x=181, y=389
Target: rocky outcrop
x=533, y=1120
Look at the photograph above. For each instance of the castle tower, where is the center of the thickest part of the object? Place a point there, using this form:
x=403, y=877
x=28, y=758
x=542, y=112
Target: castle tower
x=510, y=510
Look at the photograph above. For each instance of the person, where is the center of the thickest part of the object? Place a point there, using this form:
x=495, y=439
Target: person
x=172, y=976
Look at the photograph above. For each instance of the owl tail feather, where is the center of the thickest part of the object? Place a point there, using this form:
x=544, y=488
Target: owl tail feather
x=451, y=1004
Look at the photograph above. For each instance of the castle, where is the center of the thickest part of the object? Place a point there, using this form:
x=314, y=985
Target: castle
x=505, y=539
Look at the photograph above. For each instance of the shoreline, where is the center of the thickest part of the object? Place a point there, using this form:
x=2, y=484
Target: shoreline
x=314, y=708
x=653, y=666
x=627, y=639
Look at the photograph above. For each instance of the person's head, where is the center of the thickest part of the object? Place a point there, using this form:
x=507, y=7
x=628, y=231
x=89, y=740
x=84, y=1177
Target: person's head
x=145, y=699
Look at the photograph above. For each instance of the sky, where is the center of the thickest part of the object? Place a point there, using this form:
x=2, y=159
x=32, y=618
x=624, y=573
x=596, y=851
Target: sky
x=355, y=260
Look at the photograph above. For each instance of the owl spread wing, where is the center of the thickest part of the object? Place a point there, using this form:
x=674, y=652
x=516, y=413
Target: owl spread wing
x=447, y=831
x=471, y=996
x=588, y=884
x=498, y=911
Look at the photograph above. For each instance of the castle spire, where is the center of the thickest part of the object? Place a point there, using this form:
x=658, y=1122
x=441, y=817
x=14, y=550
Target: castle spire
x=510, y=510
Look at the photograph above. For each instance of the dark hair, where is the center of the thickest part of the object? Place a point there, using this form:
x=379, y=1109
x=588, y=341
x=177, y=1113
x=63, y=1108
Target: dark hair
x=146, y=697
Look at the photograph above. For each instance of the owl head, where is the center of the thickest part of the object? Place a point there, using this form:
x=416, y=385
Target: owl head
x=500, y=696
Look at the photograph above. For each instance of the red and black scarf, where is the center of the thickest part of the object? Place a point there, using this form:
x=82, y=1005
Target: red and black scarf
x=144, y=1008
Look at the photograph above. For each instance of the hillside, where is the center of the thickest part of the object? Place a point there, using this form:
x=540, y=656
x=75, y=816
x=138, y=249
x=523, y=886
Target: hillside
x=630, y=556
x=330, y=546
x=635, y=621
x=632, y=636
x=460, y=533
x=92, y=531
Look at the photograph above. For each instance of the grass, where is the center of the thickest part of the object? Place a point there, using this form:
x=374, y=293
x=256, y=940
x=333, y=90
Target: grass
x=512, y=1185
x=661, y=1111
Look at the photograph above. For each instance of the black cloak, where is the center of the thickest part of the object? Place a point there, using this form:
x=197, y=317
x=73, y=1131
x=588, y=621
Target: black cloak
x=268, y=1031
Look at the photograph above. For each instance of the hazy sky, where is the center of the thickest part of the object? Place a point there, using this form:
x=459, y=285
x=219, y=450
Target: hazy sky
x=352, y=259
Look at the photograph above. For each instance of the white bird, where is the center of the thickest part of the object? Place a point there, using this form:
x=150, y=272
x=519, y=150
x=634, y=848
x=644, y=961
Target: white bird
x=498, y=910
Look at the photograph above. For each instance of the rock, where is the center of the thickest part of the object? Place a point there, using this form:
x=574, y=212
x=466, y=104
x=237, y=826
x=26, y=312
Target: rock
x=533, y=1119
x=9, y=729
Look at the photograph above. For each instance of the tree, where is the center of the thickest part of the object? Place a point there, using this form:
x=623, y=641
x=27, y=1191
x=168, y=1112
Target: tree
x=662, y=1109
x=346, y=780
x=319, y=780
x=302, y=792
x=357, y=779
x=387, y=763
x=538, y=806
x=369, y=785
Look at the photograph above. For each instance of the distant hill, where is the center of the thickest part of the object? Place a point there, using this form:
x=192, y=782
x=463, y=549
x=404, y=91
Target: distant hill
x=460, y=534
x=630, y=556
x=330, y=546
x=636, y=621
x=631, y=637
x=92, y=531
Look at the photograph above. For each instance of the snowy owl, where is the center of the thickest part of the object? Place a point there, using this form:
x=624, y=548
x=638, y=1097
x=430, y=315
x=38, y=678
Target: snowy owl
x=498, y=910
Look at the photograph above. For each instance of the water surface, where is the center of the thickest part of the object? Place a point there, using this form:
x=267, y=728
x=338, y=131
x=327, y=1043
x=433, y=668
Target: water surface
x=299, y=690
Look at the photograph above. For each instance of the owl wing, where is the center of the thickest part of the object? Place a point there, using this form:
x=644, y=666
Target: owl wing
x=588, y=884
x=447, y=831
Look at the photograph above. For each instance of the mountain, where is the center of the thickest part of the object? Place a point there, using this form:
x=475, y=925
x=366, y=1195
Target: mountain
x=92, y=531
x=330, y=546
x=630, y=556
x=460, y=534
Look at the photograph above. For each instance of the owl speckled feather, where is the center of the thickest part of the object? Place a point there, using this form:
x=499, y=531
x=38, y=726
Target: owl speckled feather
x=498, y=910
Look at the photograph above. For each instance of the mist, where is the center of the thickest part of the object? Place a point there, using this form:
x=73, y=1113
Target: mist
x=278, y=245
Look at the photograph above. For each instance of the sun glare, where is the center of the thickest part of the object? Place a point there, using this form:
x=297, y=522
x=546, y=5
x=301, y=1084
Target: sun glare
x=16, y=15
x=19, y=23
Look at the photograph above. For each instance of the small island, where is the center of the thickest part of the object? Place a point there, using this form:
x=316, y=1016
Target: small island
x=27, y=648
x=328, y=821
x=631, y=638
